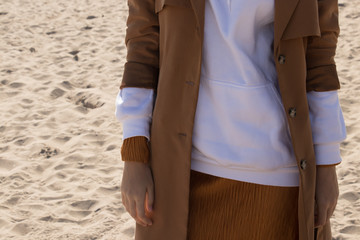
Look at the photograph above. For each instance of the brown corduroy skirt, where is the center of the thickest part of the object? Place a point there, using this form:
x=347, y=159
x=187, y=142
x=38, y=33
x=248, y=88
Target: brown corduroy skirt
x=221, y=208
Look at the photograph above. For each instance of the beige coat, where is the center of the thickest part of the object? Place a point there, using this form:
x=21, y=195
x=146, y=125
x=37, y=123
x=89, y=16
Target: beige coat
x=164, y=41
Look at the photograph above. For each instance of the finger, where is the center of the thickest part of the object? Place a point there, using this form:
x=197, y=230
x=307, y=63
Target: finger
x=126, y=203
x=134, y=214
x=132, y=210
x=140, y=212
x=321, y=216
x=150, y=199
x=148, y=213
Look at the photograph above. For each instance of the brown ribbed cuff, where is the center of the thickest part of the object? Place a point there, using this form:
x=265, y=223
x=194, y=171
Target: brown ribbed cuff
x=135, y=149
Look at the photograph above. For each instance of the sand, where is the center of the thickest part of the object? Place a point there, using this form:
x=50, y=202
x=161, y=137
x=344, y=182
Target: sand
x=61, y=63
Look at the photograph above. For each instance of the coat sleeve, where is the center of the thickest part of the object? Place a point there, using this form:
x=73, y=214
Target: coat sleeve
x=141, y=69
x=142, y=41
x=321, y=68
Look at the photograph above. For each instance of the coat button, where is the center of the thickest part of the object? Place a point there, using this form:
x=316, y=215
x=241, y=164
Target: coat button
x=292, y=112
x=281, y=59
x=190, y=83
x=303, y=164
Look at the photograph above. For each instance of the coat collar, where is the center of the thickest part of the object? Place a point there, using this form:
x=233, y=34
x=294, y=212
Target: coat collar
x=284, y=9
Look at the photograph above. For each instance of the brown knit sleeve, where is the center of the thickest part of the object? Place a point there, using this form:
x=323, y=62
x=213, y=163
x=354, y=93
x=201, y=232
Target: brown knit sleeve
x=135, y=149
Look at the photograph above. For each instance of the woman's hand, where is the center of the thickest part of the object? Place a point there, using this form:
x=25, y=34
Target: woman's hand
x=326, y=195
x=137, y=191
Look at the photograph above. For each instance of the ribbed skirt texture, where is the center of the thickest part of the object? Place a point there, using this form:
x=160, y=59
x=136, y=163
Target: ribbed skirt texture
x=225, y=209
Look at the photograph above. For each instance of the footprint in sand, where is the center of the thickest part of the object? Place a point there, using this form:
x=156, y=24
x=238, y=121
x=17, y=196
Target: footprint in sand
x=23, y=141
x=61, y=175
x=88, y=100
x=97, y=123
x=65, y=73
x=351, y=230
x=7, y=164
x=96, y=139
x=4, y=82
x=62, y=166
x=52, y=219
x=62, y=139
x=51, y=33
x=84, y=204
x=56, y=93
x=111, y=147
x=56, y=198
x=91, y=17
x=21, y=229
x=86, y=28
x=12, y=201
x=67, y=85
x=80, y=214
x=350, y=196
x=48, y=152
x=16, y=85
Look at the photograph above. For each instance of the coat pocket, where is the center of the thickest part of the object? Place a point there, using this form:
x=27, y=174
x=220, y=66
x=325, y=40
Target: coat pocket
x=160, y=4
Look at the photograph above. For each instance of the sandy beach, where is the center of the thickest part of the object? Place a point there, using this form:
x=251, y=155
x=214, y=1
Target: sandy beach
x=61, y=64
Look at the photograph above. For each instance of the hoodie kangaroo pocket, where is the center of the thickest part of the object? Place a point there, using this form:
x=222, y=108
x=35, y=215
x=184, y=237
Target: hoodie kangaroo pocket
x=243, y=127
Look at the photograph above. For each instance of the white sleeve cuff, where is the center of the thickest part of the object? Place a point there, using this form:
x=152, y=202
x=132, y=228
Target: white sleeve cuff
x=136, y=127
x=327, y=154
x=327, y=122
